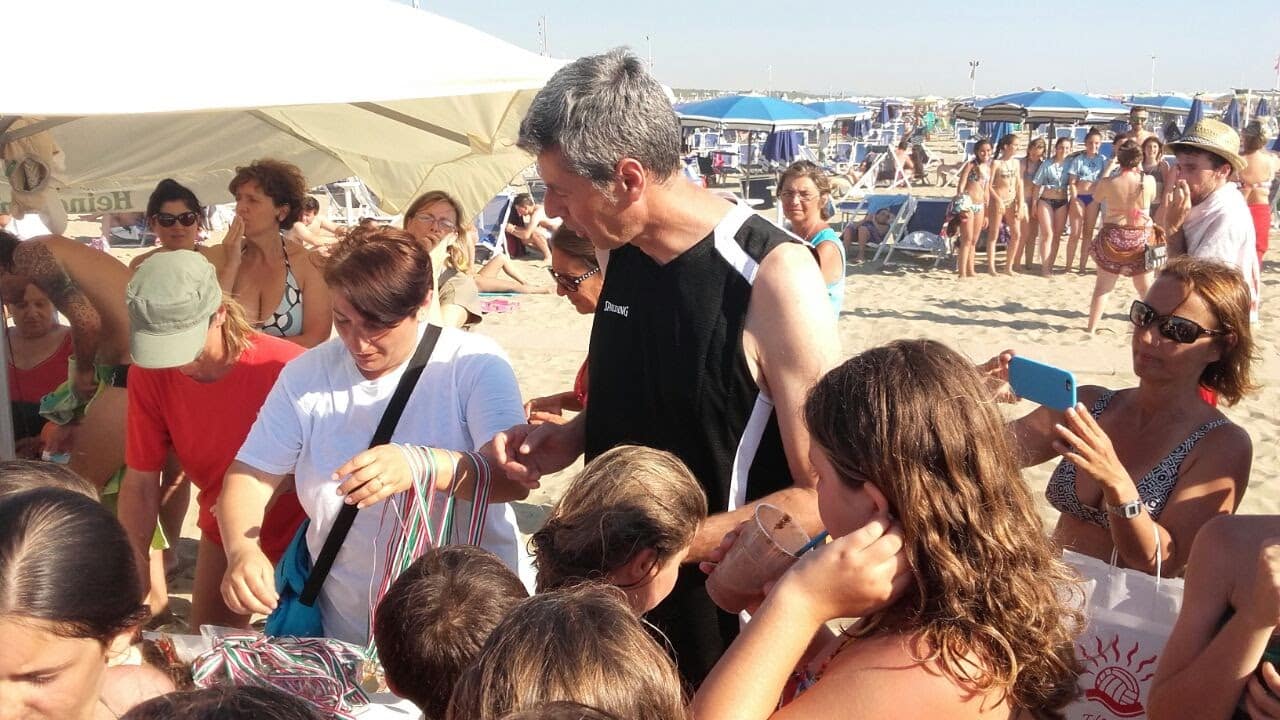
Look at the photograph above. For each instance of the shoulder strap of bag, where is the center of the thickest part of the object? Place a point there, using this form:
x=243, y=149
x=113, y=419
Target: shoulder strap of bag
x=390, y=418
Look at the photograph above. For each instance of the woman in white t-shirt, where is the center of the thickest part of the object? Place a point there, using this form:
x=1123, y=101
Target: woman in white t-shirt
x=318, y=420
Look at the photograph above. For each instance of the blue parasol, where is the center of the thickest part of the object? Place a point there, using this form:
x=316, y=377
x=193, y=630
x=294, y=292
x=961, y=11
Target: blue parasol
x=884, y=112
x=782, y=146
x=1048, y=106
x=1195, y=114
x=1231, y=116
x=993, y=130
x=840, y=110
x=1170, y=104
x=1264, y=110
x=747, y=112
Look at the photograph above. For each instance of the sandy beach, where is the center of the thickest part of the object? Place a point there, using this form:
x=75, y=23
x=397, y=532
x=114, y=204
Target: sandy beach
x=1042, y=318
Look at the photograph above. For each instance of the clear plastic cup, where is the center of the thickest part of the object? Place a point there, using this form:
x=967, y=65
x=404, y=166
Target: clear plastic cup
x=765, y=548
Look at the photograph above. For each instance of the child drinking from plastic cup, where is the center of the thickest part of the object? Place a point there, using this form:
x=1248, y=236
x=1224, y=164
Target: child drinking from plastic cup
x=627, y=519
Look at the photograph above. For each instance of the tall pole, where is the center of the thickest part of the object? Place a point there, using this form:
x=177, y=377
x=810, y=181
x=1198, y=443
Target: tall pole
x=1276, y=85
x=543, y=42
x=1153, y=74
x=649, y=47
x=973, y=78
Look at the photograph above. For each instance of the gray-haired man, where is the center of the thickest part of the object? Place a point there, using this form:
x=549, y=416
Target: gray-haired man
x=711, y=326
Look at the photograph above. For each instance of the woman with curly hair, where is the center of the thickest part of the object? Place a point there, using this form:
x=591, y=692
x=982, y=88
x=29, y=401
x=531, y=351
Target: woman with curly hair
x=273, y=279
x=937, y=548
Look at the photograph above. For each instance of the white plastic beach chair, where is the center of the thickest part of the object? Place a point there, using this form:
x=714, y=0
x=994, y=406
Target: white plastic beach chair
x=896, y=228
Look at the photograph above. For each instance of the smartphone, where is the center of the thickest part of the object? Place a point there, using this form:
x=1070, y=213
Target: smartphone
x=1040, y=383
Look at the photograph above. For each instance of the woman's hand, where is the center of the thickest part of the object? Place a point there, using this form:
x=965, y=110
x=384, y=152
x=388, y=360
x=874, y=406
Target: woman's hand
x=249, y=584
x=374, y=475
x=995, y=375
x=1082, y=441
x=857, y=575
x=233, y=241
x=547, y=404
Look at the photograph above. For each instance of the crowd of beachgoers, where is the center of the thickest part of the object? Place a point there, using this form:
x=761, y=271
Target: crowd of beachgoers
x=762, y=524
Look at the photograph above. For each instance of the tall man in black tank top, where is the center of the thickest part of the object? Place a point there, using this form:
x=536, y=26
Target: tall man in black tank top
x=711, y=327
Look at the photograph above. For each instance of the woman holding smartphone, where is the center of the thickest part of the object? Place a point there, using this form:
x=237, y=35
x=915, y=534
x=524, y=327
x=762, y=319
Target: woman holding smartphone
x=1144, y=468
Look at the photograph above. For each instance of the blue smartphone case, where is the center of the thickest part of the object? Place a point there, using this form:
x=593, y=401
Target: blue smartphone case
x=1044, y=384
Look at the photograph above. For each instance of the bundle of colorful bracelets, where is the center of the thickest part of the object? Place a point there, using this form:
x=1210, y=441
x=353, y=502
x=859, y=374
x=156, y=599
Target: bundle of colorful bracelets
x=323, y=671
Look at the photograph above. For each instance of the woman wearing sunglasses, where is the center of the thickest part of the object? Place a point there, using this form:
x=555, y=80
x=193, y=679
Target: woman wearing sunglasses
x=176, y=218
x=436, y=220
x=578, y=278
x=1144, y=468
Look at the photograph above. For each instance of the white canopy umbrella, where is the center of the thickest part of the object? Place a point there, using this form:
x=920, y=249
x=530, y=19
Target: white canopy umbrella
x=134, y=91
x=138, y=90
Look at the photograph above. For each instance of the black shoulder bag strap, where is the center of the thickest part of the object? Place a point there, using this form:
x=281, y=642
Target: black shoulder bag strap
x=390, y=417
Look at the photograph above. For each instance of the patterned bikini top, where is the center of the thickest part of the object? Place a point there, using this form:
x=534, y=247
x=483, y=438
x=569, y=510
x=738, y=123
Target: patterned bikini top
x=1154, y=489
x=286, y=321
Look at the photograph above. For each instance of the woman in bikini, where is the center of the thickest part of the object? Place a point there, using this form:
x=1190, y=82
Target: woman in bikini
x=1051, y=208
x=275, y=280
x=1036, y=151
x=1260, y=169
x=1160, y=172
x=1006, y=203
x=1083, y=172
x=1143, y=469
x=970, y=204
x=1121, y=245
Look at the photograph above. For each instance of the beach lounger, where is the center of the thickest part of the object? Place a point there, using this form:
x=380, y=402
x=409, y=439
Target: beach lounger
x=920, y=235
x=896, y=227
x=491, y=223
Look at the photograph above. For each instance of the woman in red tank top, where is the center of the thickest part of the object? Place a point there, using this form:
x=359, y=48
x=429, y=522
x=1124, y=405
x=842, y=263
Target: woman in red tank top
x=38, y=351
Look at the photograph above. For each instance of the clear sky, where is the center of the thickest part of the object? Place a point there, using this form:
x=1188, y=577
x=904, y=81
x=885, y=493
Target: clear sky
x=908, y=47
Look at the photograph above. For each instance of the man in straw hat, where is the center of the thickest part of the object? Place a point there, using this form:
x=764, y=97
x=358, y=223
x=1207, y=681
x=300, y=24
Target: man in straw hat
x=200, y=374
x=1206, y=215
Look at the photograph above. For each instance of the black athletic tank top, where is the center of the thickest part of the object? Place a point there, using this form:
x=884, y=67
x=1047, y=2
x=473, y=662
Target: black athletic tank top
x=667, y=371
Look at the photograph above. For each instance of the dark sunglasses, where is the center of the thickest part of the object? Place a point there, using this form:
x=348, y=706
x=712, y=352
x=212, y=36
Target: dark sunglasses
x=1177, y=329
x=187, y=219
x=569, y=282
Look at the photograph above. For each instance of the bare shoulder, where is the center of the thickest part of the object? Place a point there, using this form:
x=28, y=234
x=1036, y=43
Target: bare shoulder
x=787, y=266
x=874, y=674
x=137, y=260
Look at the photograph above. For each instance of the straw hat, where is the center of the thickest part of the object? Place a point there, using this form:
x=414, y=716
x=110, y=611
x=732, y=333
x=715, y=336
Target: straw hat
x=1213, y=137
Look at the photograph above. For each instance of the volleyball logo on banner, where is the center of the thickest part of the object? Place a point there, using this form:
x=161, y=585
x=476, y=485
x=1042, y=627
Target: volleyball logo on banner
x=1114, y=677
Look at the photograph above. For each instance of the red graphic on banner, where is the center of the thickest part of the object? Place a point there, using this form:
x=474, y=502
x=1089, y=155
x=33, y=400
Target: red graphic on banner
x=1117, y=683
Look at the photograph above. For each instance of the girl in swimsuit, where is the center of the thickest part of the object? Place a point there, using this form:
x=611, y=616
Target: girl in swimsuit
x=1006, y=204
x=970, y=203
x=1154, y=166
x=1030, y=224
x=1155, y=460
x=276, y=281
x=1051, y=189
x=1121, y=245
x=1084, y=170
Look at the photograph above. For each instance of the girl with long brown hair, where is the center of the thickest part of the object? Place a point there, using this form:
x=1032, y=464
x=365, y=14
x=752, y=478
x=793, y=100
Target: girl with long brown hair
x=938, y=548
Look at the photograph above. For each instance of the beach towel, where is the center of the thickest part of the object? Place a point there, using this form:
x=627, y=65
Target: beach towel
x=1130, y=616
x=498, y=305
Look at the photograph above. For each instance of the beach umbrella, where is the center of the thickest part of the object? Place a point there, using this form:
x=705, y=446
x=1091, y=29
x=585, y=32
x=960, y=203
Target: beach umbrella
x=840, y=110
x=1169, y=104
x=396, y=109
x=747, y=112
x=782, y=146
x=1195, y=114
x=1231, y=116
x=1263, y=110
x=1044, y=106
x=884, y=116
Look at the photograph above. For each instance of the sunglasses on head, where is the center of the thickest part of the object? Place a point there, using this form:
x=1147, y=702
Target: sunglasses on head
x=1177, y=329
x=187, y=219
x=570, y=282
